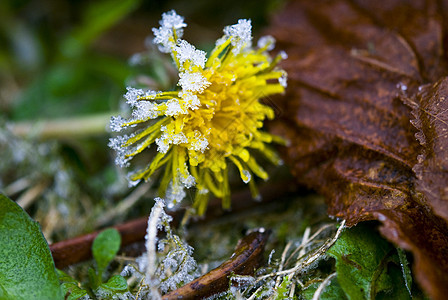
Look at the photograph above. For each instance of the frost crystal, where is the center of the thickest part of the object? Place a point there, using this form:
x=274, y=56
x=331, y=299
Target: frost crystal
x=145, y=110
x=162, y=144
x=172, y=20
x=191, y=100
x=200, y=144
x=247, y=175
x=186, y=51
x=174, y=195
x=266, y=41
x=164, y=34
x=189, y=181
x=193, y=82
x=116, y=123
x=240, y=34
x=132, y=95
x=174, y=108
x=283, y=80
x=162, y=39
x=162, y=272
x=283, y=54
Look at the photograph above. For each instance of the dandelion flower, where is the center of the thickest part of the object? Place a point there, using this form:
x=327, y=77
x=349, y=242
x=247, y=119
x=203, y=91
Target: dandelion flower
x=213, y=120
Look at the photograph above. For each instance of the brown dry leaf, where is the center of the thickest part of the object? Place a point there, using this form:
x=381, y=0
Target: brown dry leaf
x=359, y=73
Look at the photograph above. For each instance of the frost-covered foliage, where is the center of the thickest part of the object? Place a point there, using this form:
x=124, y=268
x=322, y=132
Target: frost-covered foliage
x=168, y=262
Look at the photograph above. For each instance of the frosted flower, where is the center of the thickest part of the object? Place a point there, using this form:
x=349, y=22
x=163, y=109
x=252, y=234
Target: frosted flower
x=213, y=118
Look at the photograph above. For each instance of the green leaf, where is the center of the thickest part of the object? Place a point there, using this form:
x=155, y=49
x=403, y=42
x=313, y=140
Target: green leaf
x=116, y=284
x=366, y=265
x=77, y=293
x=70, y=286
x=27, y=269
x=407, y=275
x=331, y=292
x=283, y=290
x=99, y=16
x=105, y=247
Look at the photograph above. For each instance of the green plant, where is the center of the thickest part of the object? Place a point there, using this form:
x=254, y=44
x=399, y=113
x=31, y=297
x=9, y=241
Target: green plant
x=105, y=247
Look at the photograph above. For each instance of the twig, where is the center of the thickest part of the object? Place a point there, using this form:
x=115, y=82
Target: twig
x=310, y=259
x=17, y=186
x=28, y=197
x=322, y=286
x=151, y=246
x=282, y=262
x=303, y=245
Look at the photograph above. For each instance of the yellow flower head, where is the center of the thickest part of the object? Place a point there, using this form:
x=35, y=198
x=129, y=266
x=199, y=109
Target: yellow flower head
x=215, y=116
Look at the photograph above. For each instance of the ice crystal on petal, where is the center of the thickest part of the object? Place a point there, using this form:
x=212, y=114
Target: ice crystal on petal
x=172, y=20
x=189, y=181
x=174, y=195
x=283, y=80
x=283, y=54
x=247, y=176
x=240, y=34
x=116, y=123
x=191, y=100
x=179, y=138
x=193, y=82
x=174, y=108
x=145, y=110
x=186, y=51
x=162, y=144
x=200, y=144
x=132, y=95
x=162, y=39
x=164, y=35
x=266, y=41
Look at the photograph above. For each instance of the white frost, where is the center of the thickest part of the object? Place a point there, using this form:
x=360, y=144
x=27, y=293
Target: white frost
x=240, y=34
x=191, y=100
x=162, y=35
x=283, y=80
x=174, y=108
x=193, y=82
x=133, y=95
x=186, y=51
x=266, y=41
x=246, y=174
x=116, y=123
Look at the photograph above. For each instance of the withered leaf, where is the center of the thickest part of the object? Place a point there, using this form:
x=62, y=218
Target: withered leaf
x=360, y=72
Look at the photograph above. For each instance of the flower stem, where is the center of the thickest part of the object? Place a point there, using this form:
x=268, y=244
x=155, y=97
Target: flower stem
x=83, y=126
